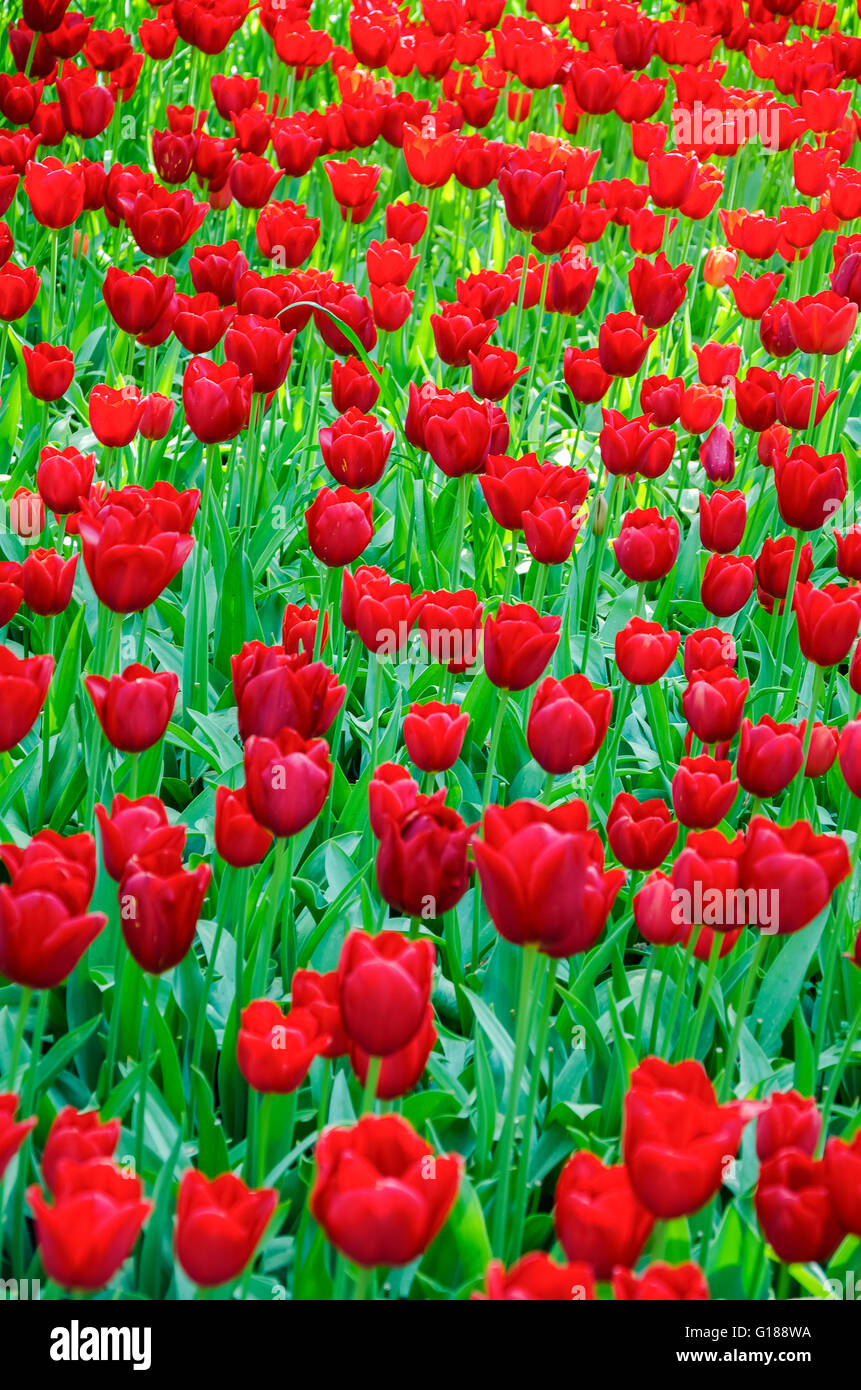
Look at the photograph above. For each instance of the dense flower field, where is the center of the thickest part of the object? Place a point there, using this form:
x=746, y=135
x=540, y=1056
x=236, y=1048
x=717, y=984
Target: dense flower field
x=430, y=587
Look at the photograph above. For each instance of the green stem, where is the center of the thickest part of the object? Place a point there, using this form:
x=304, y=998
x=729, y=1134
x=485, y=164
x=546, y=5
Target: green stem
x=741, y=1012
x=528, y=963
x=521, y=1192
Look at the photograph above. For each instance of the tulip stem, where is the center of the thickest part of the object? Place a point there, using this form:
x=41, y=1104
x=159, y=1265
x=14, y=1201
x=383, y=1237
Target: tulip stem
x=680, y=992
x=48, y=647
x=798, y=781
x=18, y=1036
x=689, y=1048
x=838, y=913
x=276, y=888
x=328, y=593
x=200, y=1025
x=262, y=1117
x=150, y=986
x=549, y=968
x=744, y=999
x=528, y=962
x=369, y=1094
x=645, y=989
x=837, y=1074
x=114, y=1025
x=786, y=620
x=240, y=910
x=288, y=925
x=28, y=1100
x=816, y=374
x=463, y=487
x=593, y=574
x=494, y=746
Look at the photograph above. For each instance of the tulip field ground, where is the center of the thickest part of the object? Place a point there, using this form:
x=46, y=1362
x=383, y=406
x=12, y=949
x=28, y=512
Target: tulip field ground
x=430, y=586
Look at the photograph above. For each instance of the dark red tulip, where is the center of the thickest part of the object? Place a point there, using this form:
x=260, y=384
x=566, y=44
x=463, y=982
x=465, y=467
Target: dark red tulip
x=287, y=780
x=542, y=876
x=640, y=833
x=134, y=708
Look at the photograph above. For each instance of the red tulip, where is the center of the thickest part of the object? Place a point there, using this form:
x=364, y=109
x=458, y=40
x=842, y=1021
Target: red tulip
x=660, y=1282
x=843, y=1171
x=537, y=1277
x=400, y=1071
x=790, y=1121
x=794, y=1208
x=713, y=703
x=518, y=644
x=239, y=839
x=219, y=1223
x=677, y=1138
x=24, y=685
x=134, y=707
x=356, y=448
x=542, y=876
x=385, y=984
x=115, y=414
x=274, y=1050
x=95, y=1219
x=597, y=1218
x=49, y=370
x=769, y=756
x=647, y=544
x=47, y=580
x=828, y=621
x=640, y=833
x=622, y=345
x=340, y=525
x=76, y=1137
x=287, y=780
x=135, y=826
x=703, y=791
x=434, y=734
x=644, y=651
x=216, y=399
x=568, y=722
x=798, y=866
x=376, y=1196
x=134, y=542
x=12, y=1132
x=160, y=903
